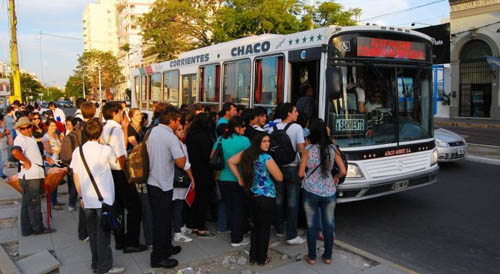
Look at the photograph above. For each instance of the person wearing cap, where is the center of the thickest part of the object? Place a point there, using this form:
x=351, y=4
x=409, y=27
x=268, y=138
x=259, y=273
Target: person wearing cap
x=30, y=178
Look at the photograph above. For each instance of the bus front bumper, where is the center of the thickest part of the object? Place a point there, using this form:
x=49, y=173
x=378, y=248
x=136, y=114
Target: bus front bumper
x=352, y=191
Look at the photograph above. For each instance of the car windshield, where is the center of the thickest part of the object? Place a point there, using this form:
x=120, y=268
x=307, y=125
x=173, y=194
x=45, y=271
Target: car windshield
x=381, y=105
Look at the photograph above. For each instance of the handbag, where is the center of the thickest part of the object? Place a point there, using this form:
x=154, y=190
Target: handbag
x=336, y=168
x=111, y=218
x=181, y=179
x=217, y=160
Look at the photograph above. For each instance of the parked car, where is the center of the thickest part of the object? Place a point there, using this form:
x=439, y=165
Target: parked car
x=450, y=146
x=64, y=104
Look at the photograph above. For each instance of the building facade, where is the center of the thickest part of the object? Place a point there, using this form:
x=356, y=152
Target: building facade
x=129, y=38
x=475, y=34
x=100, y=26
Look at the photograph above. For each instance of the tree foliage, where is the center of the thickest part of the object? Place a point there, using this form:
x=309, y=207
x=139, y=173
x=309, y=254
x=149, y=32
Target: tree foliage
x=174, y=26
x=89, y=65
x=30, y=87
x=74, y=86
x=52, y=94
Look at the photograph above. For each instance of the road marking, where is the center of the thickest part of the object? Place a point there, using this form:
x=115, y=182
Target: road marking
x=482, y=145
x=373, y=257
x=483, y=160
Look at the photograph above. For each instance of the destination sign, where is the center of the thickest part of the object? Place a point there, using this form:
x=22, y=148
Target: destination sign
x=342, y=125
x=376, y=47
x=251, y=49
x=190, y=60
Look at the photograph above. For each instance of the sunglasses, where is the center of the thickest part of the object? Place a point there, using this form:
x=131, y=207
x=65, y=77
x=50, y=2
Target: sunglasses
x=36, y=118
x=24, y=128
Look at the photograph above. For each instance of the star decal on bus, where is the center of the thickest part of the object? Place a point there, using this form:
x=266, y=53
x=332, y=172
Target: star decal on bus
x=319, y=36
x=304, y=39
x=290, y=42
x=297, y=41
x=311, y=38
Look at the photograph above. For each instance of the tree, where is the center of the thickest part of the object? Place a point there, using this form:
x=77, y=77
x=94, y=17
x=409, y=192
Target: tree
x=52, y=94
x=89, y=65
x=175, y=26
x=331, y=13
x=30, y=87
x=74, y=86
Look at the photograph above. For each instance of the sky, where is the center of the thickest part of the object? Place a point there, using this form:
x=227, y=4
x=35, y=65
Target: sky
x=53, y=59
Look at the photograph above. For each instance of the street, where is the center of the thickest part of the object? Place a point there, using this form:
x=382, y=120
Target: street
x=485, y=136
x=449, y=227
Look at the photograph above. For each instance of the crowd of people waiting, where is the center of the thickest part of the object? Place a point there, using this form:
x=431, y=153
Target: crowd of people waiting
x=254, y=190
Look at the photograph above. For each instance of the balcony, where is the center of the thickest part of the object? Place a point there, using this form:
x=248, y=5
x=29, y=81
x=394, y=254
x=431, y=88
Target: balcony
x=121, y=5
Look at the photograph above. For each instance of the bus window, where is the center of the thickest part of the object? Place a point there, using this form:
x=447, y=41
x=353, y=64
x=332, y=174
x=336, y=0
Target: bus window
x=156, y=94
x=137, y=90
x=171, y=85
x=237, y=82
x=144, y=91
x=269, y=81
x=209, y=84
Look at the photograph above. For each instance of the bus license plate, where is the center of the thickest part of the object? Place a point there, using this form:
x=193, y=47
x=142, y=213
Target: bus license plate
x=400, y=185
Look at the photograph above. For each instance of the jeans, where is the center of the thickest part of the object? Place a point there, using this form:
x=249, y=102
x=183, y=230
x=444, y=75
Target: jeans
x=127, y=198
x=263, y=214
x=327, y=206
x=177, y=212
x=99, y=240
x=31, y=208
x=288, y=189
x=161, y=207
x=147, y=218
x=2, y=159
x=82, y=224
x=221, y=214
x=73, y=195
x=232, y=198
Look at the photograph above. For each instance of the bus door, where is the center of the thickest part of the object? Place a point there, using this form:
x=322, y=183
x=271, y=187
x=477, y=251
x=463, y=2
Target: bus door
x=189, y=89
x=304, y=84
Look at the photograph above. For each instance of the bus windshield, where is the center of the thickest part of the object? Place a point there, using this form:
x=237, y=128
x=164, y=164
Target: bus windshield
x=381, y=104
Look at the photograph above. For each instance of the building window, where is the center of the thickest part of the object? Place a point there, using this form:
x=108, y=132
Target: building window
x=269, y=81
x=171, y=87
x=237, y=82
x=156, y=94
x=137, y=91
x=145, y=83
x=209, y=83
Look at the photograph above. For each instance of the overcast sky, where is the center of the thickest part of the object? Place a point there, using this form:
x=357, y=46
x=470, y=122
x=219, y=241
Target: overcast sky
x=53, y=59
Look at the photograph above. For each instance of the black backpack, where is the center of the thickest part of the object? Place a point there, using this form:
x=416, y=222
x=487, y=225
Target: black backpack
x=336, y=168
x=281, y=146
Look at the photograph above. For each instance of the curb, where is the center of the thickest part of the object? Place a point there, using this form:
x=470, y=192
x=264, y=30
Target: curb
x=467, y=124
x=373, y=257
x=483, y=160
x=6, y=264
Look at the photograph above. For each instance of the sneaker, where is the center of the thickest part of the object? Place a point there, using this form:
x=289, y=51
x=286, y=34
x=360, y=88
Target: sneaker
x=278, y=234
x=116, y=270
x=57, y=207
x=71, y=208
x=185, y=230
x=243, y=242
x=206, y=235
x=179, y=237
x=86, y=240
x=296, y=241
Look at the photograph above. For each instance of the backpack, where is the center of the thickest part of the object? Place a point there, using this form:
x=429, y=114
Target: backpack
x=281, y=148
x=137, y=167
x=336, y=168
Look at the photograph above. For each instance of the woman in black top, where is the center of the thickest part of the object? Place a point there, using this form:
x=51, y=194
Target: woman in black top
x=38, y=130
x=135, y=133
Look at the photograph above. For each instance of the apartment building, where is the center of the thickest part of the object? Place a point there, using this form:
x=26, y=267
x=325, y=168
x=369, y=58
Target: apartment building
x=100, y=26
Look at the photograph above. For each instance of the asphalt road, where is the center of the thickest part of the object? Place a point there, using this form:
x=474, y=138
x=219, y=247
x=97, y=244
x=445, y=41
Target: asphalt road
x=452, y=226
x=484, y=136
x=68, y=111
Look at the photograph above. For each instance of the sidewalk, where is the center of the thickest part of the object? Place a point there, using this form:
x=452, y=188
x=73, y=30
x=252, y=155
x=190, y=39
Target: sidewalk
x=467, y=122
x=199, y=256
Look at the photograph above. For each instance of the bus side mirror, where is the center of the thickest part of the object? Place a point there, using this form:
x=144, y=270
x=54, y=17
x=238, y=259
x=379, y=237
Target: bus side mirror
x=333, y=83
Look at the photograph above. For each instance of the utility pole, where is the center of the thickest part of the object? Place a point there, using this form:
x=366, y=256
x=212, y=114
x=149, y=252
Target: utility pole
x=100, y=91
x=83, y=82
x=16, y=77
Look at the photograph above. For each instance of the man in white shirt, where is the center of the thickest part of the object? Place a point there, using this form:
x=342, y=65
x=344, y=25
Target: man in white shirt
x=30, y=178
x=114, y=134
x=164, y=149
x=58, y=113
x=99, y=159
x=78, y=112
x=290, y=184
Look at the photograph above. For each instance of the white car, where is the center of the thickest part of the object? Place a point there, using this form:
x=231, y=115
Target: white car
x=450, y=146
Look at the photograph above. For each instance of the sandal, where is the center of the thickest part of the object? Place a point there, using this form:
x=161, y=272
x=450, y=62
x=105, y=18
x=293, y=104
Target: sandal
x=309, y=260
x=327, y=261
x=268, y=260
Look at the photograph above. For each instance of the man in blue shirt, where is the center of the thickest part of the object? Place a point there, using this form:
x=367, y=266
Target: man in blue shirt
x=229, y=110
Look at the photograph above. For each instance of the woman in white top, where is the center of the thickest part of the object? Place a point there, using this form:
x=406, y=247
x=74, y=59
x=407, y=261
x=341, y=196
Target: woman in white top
x=52, y=146
x=179, y=195
x=99, y=159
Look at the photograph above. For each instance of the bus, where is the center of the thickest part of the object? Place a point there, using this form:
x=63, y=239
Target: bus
x=371, y=84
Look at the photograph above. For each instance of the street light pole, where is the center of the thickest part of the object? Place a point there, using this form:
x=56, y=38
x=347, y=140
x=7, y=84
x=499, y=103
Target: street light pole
x=100, y=91
x=83, y=82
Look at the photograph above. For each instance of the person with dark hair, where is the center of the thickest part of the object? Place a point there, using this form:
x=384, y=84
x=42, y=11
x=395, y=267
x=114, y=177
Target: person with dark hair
x=114, y=134
x=198, y=108
x=290, y=186
x=38, y=130
x=52, y=146
x=199, y=143
x=30, y=109
x=144, y=121
x=59, y=115
x=99, y=158
x=184, y=107
x=305, y=104
x=228, y=110
x=164, y=151
x=240, y=109
x=78, y=105
x=257, y=168
x=261, y=114
x=276, y=118
x=320, y=189
x=233, y=141
x=250, y=119
x=158, y=110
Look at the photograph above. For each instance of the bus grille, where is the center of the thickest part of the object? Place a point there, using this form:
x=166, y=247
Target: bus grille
x=397, y=165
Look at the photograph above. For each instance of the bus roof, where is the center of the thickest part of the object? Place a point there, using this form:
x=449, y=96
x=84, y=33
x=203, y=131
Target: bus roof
x=263, y=44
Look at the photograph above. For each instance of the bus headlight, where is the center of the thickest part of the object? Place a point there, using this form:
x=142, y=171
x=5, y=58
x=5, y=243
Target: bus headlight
x=353, y=171
x=440, y=143
x=434, y=158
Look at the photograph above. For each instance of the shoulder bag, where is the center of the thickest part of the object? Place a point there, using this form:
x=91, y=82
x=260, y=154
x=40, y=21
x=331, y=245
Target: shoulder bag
x=111, y=219
x=217, y=160
x=181, y=178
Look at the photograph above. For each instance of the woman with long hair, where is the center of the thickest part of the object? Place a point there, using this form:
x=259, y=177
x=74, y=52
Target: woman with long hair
x=52, y=144
x=233, y=141
x=38, y=130
x=199, y=142
x=135, y=132
x=257, y=168
x=320, y=188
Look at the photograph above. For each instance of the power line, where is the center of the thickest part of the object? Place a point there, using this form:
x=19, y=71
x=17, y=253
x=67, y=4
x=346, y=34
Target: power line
x=403, y=10
x=61, y=36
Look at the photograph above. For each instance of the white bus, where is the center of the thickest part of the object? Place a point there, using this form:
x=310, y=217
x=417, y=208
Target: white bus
x=371, y=84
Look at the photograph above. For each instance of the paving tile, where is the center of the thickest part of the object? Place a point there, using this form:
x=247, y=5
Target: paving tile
x=34, y=243
x=382, y=269
x=126, y=260
x=76, y=268
x=294, y=250
x=77, y=252
x=39, y=263
x=9, y=211
x=297, y=267
x=8, y=234
x=8, y=193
